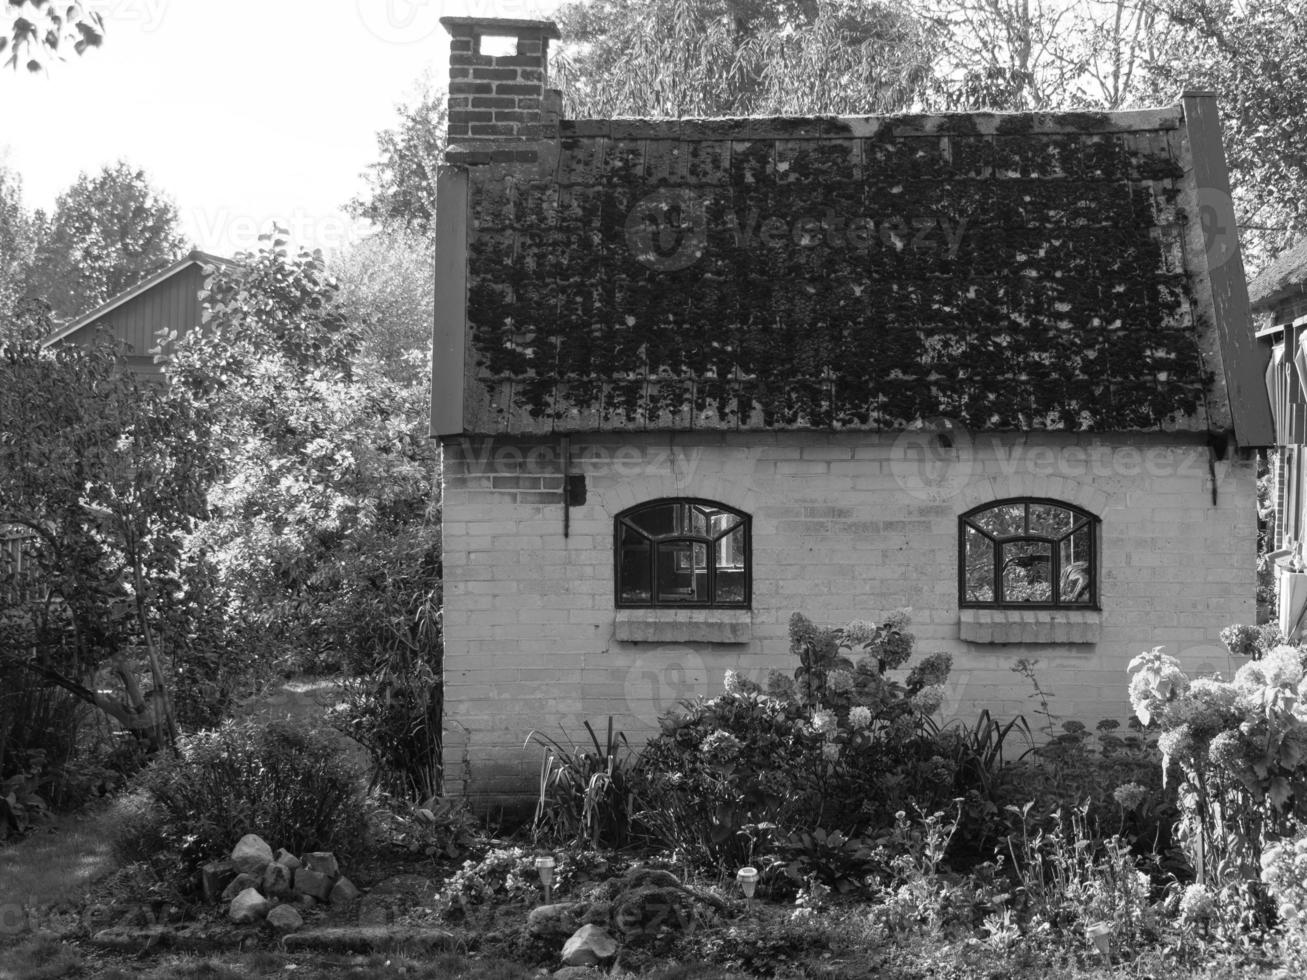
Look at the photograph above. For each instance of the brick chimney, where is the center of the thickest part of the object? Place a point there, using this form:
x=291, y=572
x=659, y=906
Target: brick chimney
x=500, y=97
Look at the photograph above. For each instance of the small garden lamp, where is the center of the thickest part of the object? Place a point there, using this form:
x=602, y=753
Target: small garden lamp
x=747, y=879
x=545, y=867
x=1100, y=934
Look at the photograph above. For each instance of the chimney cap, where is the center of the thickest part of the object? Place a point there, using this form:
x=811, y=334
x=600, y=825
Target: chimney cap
x=500, y=25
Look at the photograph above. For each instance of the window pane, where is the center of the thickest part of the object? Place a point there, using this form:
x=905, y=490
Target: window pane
x=1051, y=521
x=1026, y=567
x=682, y=572
x=980, y=567
x=1074, y=585
x=730, y=567
x=1003, y=520
x=634, y=572
x=656, y=520
x=719, y=522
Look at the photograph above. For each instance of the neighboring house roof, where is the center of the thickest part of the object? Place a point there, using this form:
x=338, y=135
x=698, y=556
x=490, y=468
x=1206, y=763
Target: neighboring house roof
x=194, y=258
x=1005, y=271
x=1285, y=276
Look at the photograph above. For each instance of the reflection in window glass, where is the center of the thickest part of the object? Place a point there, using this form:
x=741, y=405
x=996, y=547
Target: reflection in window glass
x=1026, y=568
x=1028, y=552
x=979, y=567
x=682, y=552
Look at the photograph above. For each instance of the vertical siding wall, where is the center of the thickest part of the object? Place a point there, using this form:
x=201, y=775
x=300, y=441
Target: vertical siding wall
x=171, y=305
x=844, y=526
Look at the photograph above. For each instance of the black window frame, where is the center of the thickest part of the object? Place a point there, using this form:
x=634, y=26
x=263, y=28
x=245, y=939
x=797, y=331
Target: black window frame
x=1081, y=519
x=657, y=602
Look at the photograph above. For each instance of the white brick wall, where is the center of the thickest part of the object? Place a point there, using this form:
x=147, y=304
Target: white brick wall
x=844, y=526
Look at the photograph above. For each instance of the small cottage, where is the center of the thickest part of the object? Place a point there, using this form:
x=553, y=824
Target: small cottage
x=169, y=300
x=693, y=375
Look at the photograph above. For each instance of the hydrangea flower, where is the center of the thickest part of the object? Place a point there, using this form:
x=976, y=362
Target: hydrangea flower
x=1129, y=795
x=720, y=746
x=929, y=699
x=824, y=721
x=859, y=633
x=840, y=681
x=1197, y=903
x=859, y=717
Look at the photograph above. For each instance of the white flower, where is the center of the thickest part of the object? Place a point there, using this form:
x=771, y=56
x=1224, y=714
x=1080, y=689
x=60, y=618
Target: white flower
x=824, y=721
x=859, y=717
x=732, y=682
x=1197, y=902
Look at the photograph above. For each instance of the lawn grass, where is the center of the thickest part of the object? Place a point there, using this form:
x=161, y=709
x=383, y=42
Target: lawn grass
x=57, y=862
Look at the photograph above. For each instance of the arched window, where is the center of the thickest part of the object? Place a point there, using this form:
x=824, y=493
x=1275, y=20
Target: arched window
x=682, y=552
x=1028, y=552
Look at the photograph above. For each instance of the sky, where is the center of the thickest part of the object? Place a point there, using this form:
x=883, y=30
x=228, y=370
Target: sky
x=241, y=111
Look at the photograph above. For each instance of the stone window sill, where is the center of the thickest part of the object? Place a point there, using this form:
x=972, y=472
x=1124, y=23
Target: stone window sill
x=684, y=626
x=1030, y=625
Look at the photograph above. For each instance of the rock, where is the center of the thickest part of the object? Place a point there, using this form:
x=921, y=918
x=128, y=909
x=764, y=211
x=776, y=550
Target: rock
x=323, y=862
x=589, y=946
x=251, y=854
x=305, y=902
x=248, y=906
x=314, y=883
x=343, y=892
x=215, y=877
x=287, y=859
x=649, y=910
x=559, y=919
x=276, y=879
x=239, y=884
x=284, y=918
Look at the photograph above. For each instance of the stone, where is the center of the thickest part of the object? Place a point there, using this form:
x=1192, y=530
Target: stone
x=248, y=906
x=215, y=877
x=559, y=919
x=239, y=884
x=589, y=946
x=306, y=902
x=343, y=892
x=276, y=879
x=287, y=859
x=649, y=910
x=284, y=918
x=251, y=854
x=323, y=862
x=309, y=882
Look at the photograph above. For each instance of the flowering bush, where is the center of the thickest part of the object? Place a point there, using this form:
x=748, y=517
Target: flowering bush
x=823, y=754
x=507, y=875
x=1242, y=748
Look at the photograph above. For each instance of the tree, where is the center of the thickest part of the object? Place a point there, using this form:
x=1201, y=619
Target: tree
x=40, y=29
x=1254, y=56
x=324, y=531
x=16, y=241
x=106, y=477
x=387, y=288
x=402, y=184
x=738, y=57
x=1028, y=55
x=107, y=233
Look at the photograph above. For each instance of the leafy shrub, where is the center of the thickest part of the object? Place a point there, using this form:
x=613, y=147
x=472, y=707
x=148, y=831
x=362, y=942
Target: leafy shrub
x=288, y=785
x=585, y=797
x=840, y=746
x=1242, y=749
